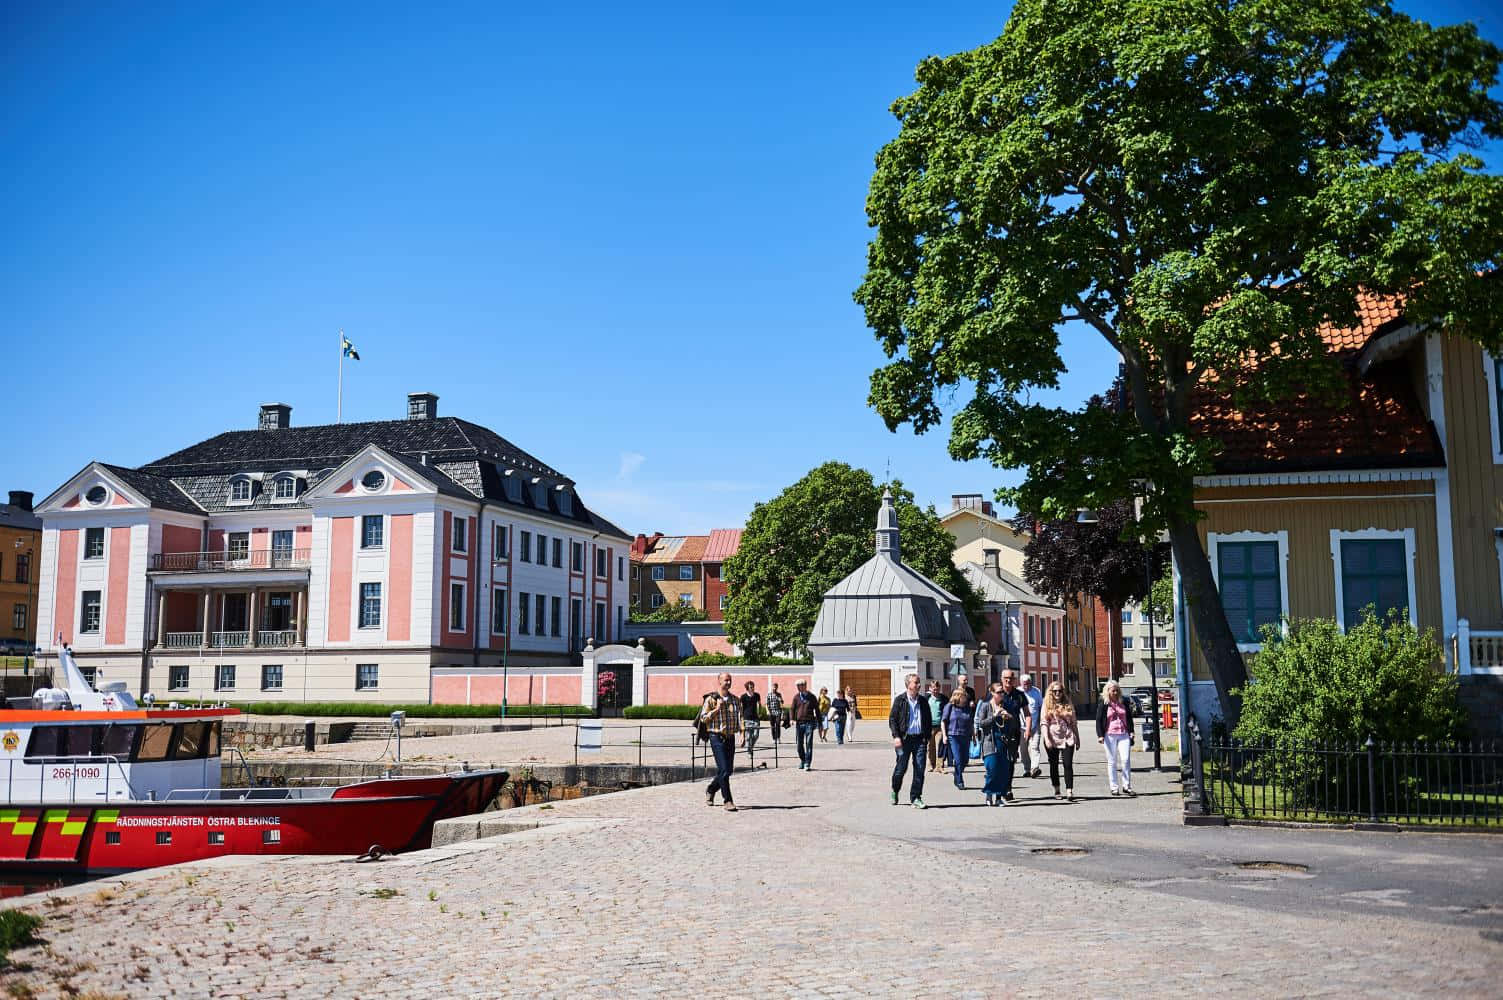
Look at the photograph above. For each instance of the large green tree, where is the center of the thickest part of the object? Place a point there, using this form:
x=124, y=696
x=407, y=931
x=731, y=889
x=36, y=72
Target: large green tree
x=1196, y=184
x=811, y=536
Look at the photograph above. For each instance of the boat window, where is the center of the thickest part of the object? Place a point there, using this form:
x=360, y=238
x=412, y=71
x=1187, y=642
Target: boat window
x=211, y=747
x=117, y=741
x=61, y=741
x=156, y=742
x=192, y=741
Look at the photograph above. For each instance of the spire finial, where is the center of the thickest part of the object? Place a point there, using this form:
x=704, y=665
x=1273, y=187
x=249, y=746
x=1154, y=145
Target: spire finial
x=887, y=528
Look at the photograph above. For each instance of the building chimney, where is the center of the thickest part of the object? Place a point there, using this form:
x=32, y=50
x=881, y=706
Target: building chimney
x=21, y=499
x=422, y=406
x=274, y=417
x=991, y=563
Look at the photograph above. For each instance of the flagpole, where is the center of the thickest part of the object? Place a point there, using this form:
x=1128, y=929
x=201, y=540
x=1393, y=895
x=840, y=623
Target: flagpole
x=339, y=393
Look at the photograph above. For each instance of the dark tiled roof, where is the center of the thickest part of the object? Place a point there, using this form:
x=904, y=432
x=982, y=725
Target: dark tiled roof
x=159, y=491
x=330, y=444
x=460, y=458
x=18, y=519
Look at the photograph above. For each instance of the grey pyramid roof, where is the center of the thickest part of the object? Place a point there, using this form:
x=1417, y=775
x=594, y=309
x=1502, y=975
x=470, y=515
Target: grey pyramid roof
x=886, y=601
x=1003, y=588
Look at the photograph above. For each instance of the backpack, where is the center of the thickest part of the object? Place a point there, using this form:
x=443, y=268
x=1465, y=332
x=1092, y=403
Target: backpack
x=701, y=727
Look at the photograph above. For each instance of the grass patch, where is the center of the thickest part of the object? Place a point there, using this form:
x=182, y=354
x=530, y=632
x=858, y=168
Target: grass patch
x=18, y=929
x=375, y=710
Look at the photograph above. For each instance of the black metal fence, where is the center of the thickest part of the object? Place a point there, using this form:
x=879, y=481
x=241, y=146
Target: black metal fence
x=1414, y=784
x=678, y=737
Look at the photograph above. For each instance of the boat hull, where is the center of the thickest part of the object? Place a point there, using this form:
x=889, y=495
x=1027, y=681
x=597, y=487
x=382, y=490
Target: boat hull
x=395, y=814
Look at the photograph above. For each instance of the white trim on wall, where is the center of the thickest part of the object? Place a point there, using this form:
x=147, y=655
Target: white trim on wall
x=1318, y=477
x=1213, y=542
x=1444, y=535
x=1489, y=372
x=1338, y=536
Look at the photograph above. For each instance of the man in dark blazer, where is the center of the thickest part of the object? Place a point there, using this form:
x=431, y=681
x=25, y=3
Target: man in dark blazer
x=910, y=724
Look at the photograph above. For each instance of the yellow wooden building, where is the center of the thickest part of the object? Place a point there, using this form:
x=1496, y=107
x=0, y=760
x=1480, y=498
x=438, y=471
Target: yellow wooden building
x=1391, y=497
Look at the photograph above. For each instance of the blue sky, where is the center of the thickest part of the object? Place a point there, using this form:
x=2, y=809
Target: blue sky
x=625, y=239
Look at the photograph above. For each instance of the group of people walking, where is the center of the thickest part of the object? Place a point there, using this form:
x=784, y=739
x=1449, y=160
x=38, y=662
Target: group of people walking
x=1014, y=722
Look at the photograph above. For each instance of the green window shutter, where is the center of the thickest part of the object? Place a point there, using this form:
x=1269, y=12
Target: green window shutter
x=1373, y=571
x=1251, y=593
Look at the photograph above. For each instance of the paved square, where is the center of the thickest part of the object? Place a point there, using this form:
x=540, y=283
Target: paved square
x=816, y=887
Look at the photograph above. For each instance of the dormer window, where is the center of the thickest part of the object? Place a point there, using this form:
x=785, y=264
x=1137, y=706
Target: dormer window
x=373, y=480
x=96, y=495
x=240, y=490
x=565, y=500
x=284, y=489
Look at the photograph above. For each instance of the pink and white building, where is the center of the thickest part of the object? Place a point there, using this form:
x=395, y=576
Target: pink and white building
x=398, y=561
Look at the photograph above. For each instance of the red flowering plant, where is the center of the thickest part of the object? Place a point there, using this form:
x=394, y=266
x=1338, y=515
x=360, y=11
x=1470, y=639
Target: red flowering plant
x=606, y=685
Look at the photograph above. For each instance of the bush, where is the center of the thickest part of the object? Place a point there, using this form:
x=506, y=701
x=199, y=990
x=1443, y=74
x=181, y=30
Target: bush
x=684, y=712
x=1379, y=679
x=1319, y=685
x=18, y=929
x=366, y=709
x=712, y=660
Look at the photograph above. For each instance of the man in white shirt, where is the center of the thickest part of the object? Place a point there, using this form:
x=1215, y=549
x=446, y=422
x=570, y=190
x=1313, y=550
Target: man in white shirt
x=910, y=724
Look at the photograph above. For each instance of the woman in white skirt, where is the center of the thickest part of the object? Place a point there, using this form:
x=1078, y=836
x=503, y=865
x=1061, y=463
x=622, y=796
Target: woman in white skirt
x=1114, y=721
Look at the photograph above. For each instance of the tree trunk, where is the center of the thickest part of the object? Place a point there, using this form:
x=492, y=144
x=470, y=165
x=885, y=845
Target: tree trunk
x=1213, y=634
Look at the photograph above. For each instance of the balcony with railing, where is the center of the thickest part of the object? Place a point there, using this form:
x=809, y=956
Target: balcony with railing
x=269, y=639
x=230, y=560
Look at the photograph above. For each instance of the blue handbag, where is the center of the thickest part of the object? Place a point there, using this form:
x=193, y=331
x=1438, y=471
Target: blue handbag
x=975, y=748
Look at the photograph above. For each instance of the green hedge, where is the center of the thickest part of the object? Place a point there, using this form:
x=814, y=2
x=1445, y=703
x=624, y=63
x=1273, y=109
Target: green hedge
x=368, y=709
x=684, y=712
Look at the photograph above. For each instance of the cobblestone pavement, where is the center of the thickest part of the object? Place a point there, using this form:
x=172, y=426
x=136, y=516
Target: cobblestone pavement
x=816, y=887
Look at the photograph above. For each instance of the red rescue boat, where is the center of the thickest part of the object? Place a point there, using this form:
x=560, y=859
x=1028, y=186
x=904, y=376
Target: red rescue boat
x=110, y=787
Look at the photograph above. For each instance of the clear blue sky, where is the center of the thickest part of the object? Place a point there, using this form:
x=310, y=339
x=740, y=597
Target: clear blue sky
x=625, y=238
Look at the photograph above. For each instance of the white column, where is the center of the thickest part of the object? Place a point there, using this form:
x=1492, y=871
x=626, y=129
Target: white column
x=208, y=603
x=161, y=617
x=587, y=675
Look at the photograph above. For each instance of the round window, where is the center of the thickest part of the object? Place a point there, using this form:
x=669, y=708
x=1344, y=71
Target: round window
x=373, y=480
x=95, y=495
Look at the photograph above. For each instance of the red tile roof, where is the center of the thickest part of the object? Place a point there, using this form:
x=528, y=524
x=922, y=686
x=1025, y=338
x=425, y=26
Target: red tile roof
x=692, y=549
x=717, y=546
x=1378, y=421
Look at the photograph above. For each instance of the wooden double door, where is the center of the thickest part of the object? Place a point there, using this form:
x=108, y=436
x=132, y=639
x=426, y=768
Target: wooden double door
x=873, y=691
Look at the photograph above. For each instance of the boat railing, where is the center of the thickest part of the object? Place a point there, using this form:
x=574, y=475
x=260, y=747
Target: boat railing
x=257, y=794
x=49, y=780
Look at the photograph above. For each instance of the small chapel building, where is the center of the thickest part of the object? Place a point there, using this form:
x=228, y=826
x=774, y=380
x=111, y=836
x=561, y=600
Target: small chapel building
x=885, y=621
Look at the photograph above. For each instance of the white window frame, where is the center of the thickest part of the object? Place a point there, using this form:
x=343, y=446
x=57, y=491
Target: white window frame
x=499, y=542
x=725, y=600
x=250, y=491
x=1213, y=542
x=83, y=607
x=360, y=611
x=380, y=521
x=1490, y=373
x=686, y=572
x=187, y=677
x=500, y=600
x=276, y=489
x=659, y=572
x=104, y=541
x=219, y=676
x=657, y=601
x=686, y=600
x=1127, y=642
x=281, y=676
x=460, y=604
x=376, y=669
x=1338, y=536
x=459, y=531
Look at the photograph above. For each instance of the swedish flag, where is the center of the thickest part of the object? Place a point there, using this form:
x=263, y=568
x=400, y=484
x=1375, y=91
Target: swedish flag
x=349, y=348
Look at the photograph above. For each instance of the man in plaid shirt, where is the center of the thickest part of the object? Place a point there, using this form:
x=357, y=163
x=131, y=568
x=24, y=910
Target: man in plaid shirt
x=721, y=715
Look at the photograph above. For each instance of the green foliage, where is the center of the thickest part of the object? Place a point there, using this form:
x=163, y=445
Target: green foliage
x=1378, y=679
x=1161, y=598
x=685, y=712
x=726, y=660
x=811, y=536
x=18, y=929
x=1201, y=186
x=670, y=611
x=655, y=652
x=365, y=709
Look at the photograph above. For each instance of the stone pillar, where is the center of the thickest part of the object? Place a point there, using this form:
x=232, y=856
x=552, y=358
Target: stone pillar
x=208, y=604
x=300, y=614
x=161, y=617
x=639, y=658
x=255, y=615
x=587, y=694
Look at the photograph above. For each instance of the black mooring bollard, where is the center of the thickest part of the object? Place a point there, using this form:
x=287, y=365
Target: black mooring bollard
x=308, y=728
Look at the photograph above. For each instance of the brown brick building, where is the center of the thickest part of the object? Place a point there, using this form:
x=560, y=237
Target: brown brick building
x=686, y=569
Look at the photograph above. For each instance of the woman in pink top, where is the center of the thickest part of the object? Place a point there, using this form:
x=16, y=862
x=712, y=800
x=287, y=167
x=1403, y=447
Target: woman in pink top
x=1061, y=737
x=1114, y=720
